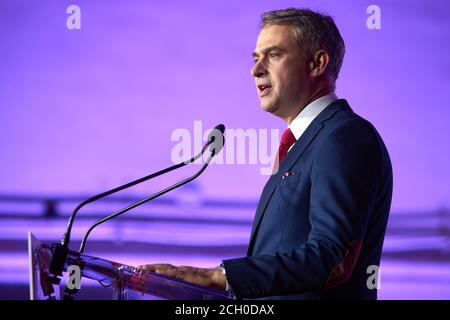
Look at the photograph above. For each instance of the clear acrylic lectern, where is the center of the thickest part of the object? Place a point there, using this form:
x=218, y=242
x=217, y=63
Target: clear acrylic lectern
x=127, y=282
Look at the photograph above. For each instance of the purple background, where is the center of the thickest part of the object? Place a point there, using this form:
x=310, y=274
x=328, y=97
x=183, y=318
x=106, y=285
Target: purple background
x=84, y=110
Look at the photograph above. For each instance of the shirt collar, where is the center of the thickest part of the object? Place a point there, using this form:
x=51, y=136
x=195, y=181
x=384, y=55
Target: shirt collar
x=309, y=113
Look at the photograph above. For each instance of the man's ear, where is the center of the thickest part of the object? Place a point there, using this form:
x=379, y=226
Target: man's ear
x=319, y=63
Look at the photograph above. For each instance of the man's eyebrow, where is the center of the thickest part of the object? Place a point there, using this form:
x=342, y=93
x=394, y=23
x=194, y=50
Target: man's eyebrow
x=268, y=49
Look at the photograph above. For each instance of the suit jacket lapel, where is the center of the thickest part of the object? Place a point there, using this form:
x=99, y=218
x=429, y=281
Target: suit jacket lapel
x=297, y=150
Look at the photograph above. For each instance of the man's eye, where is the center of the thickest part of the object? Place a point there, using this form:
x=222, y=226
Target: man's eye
x=273, y=56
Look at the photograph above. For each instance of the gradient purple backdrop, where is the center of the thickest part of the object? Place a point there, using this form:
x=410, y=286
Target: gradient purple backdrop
x=82, y=110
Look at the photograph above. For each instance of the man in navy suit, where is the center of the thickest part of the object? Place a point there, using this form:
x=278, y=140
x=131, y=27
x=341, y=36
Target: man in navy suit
x=320, y=223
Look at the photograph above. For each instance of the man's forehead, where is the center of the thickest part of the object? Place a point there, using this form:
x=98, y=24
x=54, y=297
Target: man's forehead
x=273, y=36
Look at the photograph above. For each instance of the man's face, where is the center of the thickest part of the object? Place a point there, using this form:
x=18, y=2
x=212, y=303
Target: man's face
x=280, y=72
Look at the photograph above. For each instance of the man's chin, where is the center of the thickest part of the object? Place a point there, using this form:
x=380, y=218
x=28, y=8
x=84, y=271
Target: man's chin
x=269, y=107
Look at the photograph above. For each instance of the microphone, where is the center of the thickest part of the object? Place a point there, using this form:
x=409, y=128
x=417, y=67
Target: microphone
x=216, y=137
x=60, y=250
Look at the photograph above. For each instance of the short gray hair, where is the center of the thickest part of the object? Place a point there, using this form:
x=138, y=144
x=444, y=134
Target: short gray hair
x=313, y=32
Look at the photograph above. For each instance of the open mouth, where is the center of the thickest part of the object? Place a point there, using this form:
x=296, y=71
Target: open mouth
x=264, y=89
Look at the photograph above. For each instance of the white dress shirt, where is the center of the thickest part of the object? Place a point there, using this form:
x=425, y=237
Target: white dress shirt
x=309, y=113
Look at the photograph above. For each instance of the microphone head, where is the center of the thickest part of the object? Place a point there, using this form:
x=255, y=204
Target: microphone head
x=217, y=131
x=216, y=137
x=220, y=127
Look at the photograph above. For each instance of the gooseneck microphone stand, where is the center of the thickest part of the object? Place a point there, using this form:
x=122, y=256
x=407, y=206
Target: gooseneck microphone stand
x=60, y=250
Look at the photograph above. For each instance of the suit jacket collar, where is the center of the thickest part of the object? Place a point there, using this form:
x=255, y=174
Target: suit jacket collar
x=295, y=153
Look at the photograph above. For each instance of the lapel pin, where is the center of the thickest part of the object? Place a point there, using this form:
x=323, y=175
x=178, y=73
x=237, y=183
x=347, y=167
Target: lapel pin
x=287, y=174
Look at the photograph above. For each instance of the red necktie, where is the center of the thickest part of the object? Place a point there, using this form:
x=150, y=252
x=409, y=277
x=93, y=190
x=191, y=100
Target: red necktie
x=287, y=140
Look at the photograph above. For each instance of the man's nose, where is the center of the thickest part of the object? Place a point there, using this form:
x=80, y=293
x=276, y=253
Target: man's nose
x=258, y=69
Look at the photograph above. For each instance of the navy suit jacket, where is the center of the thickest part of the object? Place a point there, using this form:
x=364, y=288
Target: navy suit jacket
x=321, y=219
